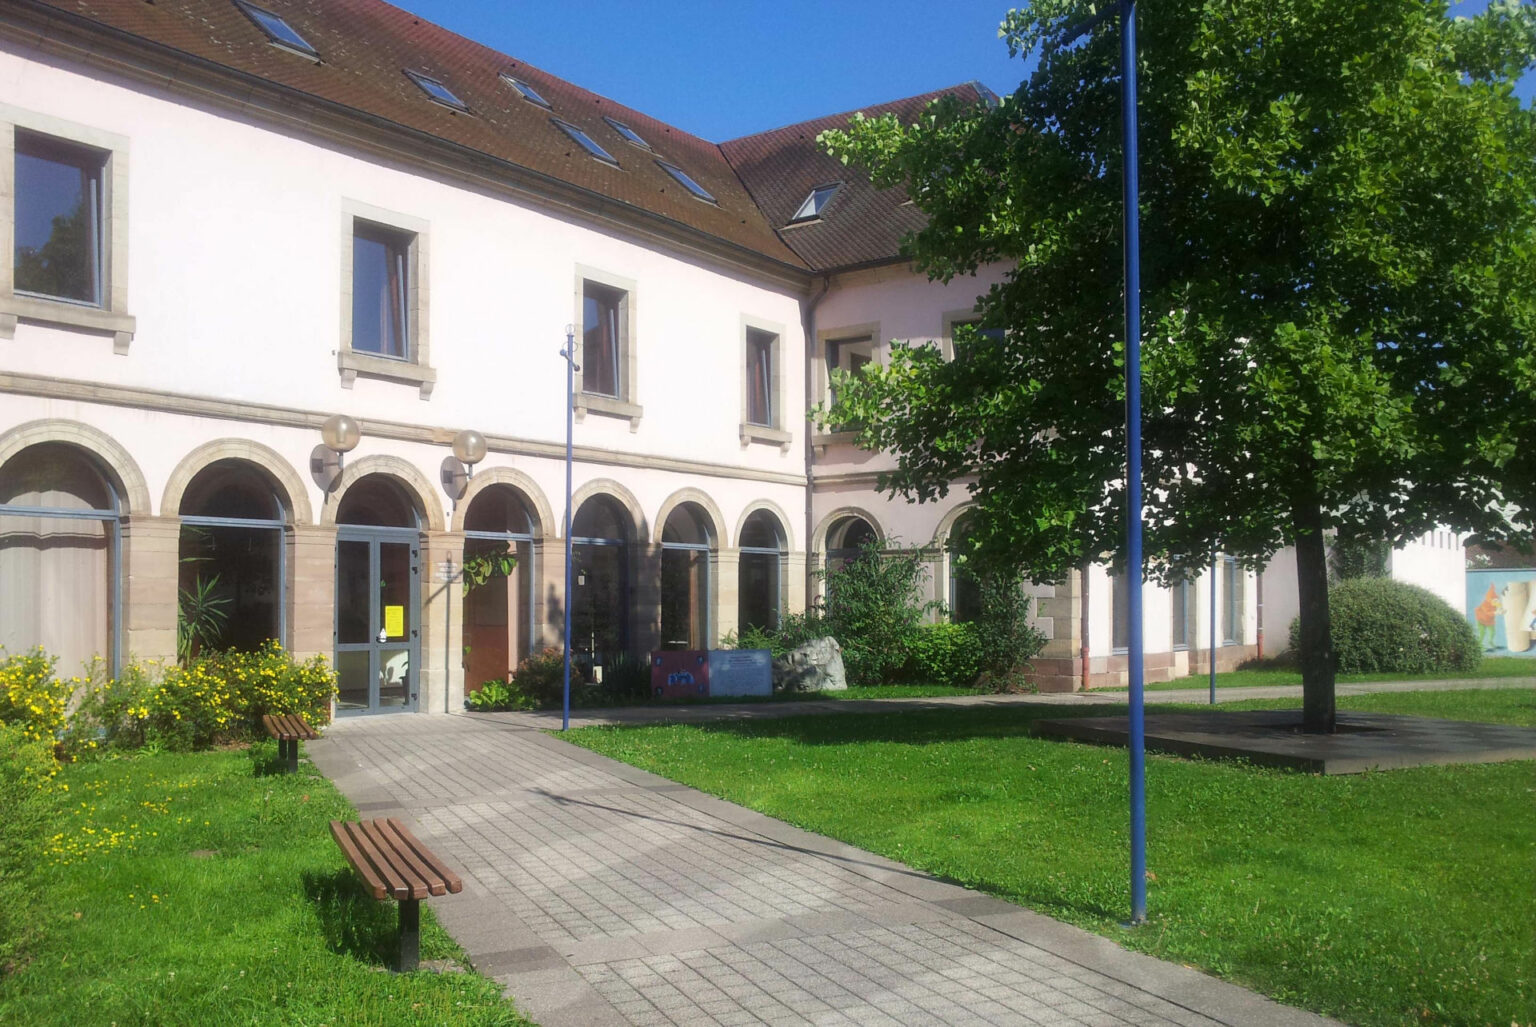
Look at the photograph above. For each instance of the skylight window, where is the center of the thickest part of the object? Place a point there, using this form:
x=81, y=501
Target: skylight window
x=437, y=91
x=628, y=133
x=278, y=31
x=587, y=142
x=526, y=91
x=815, y=203
x=686, y=182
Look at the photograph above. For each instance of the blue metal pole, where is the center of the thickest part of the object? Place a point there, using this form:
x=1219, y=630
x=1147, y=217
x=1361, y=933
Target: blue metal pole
x=1213, y=625
x=569, y=353
x=1133, y=461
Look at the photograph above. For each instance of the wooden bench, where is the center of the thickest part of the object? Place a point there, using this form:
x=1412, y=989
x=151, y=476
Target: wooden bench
x=394, y=865
x=288, y=729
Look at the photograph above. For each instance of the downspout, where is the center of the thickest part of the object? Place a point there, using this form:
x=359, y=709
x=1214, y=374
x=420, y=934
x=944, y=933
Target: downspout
x=1258, y=602
x=1082, y=623
x=808, y=327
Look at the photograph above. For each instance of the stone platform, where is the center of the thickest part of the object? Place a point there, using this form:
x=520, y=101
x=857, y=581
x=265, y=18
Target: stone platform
x=1364, y=741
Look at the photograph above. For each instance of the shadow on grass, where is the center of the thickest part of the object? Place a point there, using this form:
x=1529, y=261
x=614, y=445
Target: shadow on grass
x=352, y=921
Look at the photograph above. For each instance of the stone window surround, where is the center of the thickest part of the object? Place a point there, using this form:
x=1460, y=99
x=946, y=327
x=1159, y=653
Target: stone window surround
x=775, y=433
x=622, y=405
x=352, y=364
x=112, y=317
x=823, y=384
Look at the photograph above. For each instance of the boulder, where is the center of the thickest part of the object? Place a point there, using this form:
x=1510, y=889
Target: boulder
x=816, y=666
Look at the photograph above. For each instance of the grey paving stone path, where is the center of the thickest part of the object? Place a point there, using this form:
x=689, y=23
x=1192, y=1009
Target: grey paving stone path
x=601, y=894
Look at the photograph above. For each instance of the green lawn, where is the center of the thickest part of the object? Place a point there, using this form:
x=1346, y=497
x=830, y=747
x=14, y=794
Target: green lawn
x=196, y=889
x=1491, y=667
x=1386, y=898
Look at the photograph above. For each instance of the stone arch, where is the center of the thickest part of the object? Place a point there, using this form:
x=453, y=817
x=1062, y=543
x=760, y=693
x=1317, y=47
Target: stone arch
x=279, y=472
x=766, y=504
x=612, y=489
x=699, y=499
x=545, y=521
x=947, y=524
x=819, y=536
x=416, y=485
x=122, y=470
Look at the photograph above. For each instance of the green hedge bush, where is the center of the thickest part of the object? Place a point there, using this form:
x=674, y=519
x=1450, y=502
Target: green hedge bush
x=28, y=797
x=1380, y=625
x=943, y=654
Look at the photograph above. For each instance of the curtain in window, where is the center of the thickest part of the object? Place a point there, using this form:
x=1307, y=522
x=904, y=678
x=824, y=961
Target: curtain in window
x=760, y=378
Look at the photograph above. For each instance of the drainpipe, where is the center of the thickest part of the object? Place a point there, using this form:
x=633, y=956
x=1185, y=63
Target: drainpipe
x=1258, y=602
x=808, y=327
x=1082, y=624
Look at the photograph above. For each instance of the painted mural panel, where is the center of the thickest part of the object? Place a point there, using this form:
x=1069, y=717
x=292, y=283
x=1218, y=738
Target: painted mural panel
x=1501, y=605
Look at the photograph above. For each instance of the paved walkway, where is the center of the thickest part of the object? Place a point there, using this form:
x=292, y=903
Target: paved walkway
x=600, y=894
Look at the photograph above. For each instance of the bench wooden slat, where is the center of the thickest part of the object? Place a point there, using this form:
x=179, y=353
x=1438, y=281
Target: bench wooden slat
x=438, y=876
x=408, y=884
x=288, y=727
x=364, y=867
x=396, y=884
x=403, y=855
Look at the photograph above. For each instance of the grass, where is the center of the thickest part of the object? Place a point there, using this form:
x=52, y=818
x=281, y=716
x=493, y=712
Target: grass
x=200, y=889
x=1491, y=667
x=1385, y=898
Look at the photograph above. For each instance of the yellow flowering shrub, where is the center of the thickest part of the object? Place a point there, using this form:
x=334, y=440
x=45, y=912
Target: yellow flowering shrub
x=29, y=799
x=191, y=708
x=267, y=680
x=32, y=697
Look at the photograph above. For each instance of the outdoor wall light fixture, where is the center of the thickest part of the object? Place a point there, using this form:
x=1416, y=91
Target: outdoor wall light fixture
x=339, y=435
x=468, y=450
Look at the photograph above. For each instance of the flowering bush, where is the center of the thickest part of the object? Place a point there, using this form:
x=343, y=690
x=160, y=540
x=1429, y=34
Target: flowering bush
x=191, y=707
x=28, y=797
x=32, y=697
x=267, y=680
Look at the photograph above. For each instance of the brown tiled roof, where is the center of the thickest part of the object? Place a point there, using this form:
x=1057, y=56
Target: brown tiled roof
x=366, y=47
x=862, y=224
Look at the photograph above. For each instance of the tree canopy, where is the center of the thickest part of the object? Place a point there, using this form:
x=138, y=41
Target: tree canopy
x=1338, y=209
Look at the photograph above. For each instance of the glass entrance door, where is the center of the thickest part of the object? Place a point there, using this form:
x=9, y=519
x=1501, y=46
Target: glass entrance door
x=378, y=613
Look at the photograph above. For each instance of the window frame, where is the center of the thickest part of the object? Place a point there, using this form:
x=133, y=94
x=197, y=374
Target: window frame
x=623, y=404
x=255, y=13
x=690, y=184
x=1119, y=612
x=449, y=99
x=579, y=136
x=774, y=432
x=525, y=90
x=628, y=134
x=1232, y=596
x=110, y=315
x=416, y=368
x=801, y=218
x=822, y=385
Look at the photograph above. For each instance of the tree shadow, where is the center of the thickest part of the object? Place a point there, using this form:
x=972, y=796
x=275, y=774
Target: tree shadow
x=352, y=921
x=264, y=760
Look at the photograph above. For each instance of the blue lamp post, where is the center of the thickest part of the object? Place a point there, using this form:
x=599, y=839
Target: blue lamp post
x=569, y=353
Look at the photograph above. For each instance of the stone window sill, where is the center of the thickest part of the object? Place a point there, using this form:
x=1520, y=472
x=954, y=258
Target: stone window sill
x=751, y=433
x=836, y=438
x=353, y=365
x=71, y=315
x=607, y=406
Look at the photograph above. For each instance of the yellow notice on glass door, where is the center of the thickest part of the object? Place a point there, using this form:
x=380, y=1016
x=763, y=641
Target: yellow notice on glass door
x=394, y=621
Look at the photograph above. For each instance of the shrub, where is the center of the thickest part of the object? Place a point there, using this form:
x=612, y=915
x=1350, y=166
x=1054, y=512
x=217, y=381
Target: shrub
x=27, y=795
x=191, y=708
x=943, y=654
x=267, y=680
x=1005, y=637
x=541, y=676
x=1392, y=626
x=113, y=711
x=32, y=698
x=874, y=604
x=794, y=630
x=626, y=678
x=497, y=695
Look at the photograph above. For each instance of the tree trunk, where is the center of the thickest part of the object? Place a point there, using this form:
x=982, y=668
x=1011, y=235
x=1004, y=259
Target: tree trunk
x=1317, y=662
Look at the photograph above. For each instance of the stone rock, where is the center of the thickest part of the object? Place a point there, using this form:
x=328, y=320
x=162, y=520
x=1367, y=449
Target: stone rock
x=816, y=666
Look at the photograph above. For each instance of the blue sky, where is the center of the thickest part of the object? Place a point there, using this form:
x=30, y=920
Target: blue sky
x=726, y=68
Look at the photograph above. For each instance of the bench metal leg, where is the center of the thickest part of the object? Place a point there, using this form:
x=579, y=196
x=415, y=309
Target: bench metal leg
x=410, y=933
x=293, y=756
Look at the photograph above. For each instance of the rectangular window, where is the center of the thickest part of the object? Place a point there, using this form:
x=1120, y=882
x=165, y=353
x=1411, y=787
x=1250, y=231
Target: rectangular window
x=381, y=268
x=851, y=355
x=1232, y=607
x=1120, y=611
x=59, y=217
x=1182, y=599
x=760, y=347
x=602, y=339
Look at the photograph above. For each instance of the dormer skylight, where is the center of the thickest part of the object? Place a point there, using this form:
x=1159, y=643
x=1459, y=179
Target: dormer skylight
x=628, y=133
x=526, y=91
x=815, y=203
x=279, y=32
x=686, y=182
x=437, y=91
x=586, y=141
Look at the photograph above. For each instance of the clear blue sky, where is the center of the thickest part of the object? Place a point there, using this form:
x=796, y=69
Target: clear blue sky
x=726, y=68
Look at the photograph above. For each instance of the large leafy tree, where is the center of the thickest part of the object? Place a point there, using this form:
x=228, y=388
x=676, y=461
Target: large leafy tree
x=1339, y=283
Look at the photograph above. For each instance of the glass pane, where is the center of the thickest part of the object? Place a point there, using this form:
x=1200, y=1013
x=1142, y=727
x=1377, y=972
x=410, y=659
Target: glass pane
x=379, y=289
x=758, y=605
x=598, y=612
x=239, y=570
x=496, y=616
x=395, y=612
x=686, y=524
x=352, y=680
x=600, y=339
x=761, y=531
x=376, y=500
x=684, y=598
x=394, y=678
x=58, y=219
x=54, y=475
x=57, y=576
x=353, y=589
x=760, y=378
x=1120, y=613
x=965, y=604
x=499, y=508
x=599, y=517
x=278, y=29
x=230, y=488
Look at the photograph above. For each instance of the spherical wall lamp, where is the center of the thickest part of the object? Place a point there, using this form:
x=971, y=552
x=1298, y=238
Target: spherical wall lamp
x=339, y=434
x=469, y=447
